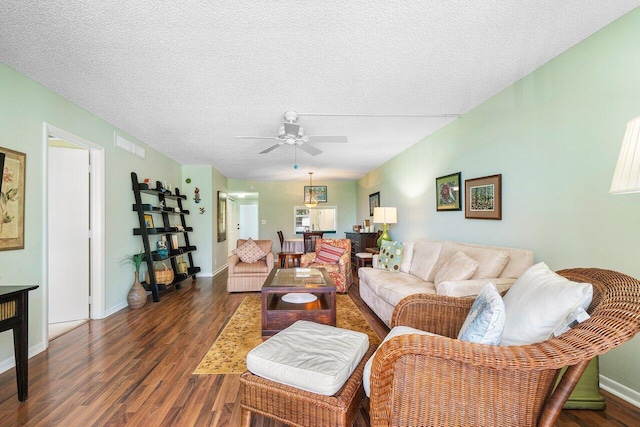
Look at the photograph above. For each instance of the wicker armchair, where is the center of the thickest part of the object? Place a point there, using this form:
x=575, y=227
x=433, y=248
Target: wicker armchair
x=438, y=381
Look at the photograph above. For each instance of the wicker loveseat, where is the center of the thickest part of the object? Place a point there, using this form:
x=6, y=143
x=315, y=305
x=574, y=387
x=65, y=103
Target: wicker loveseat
x=441, y=381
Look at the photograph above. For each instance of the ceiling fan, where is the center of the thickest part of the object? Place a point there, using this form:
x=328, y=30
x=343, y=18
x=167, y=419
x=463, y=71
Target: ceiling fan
x=291, y=133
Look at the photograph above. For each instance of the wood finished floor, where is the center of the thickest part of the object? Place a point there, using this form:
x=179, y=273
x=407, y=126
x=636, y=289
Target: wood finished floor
x=135, y=368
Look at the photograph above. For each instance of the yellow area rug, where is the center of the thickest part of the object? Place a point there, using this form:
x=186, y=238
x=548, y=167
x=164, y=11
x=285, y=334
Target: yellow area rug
x=244, y=331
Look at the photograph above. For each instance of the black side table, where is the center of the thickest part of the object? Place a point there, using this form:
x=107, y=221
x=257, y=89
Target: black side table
x=14, y=314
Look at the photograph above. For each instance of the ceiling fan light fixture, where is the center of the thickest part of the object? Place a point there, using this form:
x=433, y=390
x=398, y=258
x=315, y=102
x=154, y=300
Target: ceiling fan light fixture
x=311, y=202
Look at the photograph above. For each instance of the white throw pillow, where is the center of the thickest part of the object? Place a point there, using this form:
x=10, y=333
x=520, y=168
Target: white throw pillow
x=485, y=322
x=458, y=267
x=396, y=331
x=540, y=302
x=407, y=256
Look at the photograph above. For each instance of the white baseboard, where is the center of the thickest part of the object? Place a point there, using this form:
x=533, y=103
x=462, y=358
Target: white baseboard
x=115, y=309
x=623, y=392
x=10, y=363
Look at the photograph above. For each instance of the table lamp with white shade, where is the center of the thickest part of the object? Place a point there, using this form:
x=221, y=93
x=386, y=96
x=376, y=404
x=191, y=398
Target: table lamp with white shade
x=384, y=216
x=626, y=178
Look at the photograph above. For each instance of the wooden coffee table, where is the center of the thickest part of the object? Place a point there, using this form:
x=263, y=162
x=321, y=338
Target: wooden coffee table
x=297, y=283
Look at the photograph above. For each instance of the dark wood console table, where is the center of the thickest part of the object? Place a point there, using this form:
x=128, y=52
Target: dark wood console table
x=14, y=314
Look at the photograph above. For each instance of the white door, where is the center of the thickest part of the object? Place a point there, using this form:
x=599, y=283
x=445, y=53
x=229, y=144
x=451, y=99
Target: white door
x=232, y=224
x=68, y=200
x=248, y=222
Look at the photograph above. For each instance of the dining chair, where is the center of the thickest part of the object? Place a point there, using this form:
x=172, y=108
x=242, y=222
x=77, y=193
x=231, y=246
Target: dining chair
x=310, y=238
x=281, y=237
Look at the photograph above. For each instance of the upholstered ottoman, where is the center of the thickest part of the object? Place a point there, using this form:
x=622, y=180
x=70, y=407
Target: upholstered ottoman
x=306, y=375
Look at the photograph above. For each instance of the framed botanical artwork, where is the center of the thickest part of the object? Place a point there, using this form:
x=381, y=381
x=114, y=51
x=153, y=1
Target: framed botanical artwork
x=222, y=216
x=483, y=197
x=374, y=202
x=148, y=221
x=12, y=192
x=448, y=193
x=318, y=192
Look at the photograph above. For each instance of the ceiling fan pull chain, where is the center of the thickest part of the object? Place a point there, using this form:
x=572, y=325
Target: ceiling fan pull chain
x=295, y=157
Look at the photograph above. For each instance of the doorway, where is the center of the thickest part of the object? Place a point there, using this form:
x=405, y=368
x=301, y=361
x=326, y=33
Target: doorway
x=68, y=241
x=243, y=217
x=74, y=231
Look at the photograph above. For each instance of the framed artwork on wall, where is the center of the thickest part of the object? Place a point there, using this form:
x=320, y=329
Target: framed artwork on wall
x=12, y=200
x=374, y=202
x=222, y=216
x=318, y=192
x=483, y=197
x=448, y=193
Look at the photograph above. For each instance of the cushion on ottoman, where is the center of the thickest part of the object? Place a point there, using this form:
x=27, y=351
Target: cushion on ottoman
x=310, y=356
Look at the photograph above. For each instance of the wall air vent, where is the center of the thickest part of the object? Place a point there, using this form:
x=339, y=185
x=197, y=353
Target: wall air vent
x=129, y=146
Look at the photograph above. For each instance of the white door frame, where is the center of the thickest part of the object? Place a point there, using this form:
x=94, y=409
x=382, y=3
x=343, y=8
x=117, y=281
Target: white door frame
x=97, y=221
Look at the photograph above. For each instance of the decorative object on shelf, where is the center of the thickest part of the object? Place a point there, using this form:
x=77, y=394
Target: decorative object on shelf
x=174, y=241
x=374, y=202
x=626, y=177
x=384, y=216
x=161, y=248
x=137, y=296
x=12, y=200
x=202, y=211
x=448, y=193
x=182, y=266
x=222, y=216
x=148, y=221
x=163, y=276
x=483, y=197
x=196, y=195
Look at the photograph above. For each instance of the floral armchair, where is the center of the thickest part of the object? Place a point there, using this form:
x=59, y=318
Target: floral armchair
x=341, y=272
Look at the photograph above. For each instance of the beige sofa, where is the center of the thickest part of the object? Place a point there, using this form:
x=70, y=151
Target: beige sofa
x=248, y=277
x=421, y=261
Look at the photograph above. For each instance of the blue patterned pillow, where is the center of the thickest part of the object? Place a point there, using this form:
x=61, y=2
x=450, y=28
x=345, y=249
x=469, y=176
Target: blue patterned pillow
x=390, y=255
x=485, y=322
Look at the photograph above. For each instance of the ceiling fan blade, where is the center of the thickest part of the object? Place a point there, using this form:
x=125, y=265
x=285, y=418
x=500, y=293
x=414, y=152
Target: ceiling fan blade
x=326, y=138
x=256, y=137
x=273, y=147
x=310, y=149
x=291, y=128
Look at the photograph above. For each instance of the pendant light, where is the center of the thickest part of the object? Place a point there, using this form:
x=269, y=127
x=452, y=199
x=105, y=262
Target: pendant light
x=311, y=202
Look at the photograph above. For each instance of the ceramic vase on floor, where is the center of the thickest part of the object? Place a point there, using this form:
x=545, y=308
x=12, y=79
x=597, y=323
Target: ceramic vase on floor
x=137, y=296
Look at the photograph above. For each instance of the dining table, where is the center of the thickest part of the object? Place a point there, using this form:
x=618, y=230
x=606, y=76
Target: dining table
x=295, y=245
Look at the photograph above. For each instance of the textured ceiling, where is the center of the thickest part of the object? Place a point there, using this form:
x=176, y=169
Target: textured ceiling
x=186, y=77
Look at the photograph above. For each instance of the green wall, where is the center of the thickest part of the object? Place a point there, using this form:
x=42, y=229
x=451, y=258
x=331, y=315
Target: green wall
x=24, y=107
x=210, y=256
x=277, y=199
x=554, y=136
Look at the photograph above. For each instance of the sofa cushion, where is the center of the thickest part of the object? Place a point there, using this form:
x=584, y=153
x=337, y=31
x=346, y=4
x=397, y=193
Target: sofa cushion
x=425, y=256
x=407, y=256
x=258, y=267
x=329, y=254
x=540, y=302
x=458, y=267
x=485, y=322
x=491, y=261
x=392, y=291
x=396, y=331
x=390, y=256
x=249, y=251
x=310, y=356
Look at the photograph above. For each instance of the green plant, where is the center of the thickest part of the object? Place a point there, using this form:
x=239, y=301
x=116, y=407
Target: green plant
x=136, y=259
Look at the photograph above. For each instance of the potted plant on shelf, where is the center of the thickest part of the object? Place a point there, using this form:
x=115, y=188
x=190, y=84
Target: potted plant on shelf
x=137, y=296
